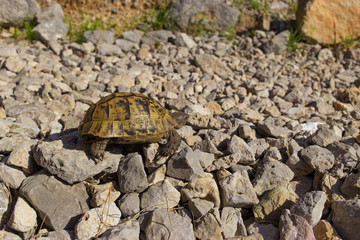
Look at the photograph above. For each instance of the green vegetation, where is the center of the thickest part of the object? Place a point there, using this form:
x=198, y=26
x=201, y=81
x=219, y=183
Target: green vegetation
x=230, y=35
x=238, y=3
x=260, y=6
x=200, y=28
x=348, y=43
x=295, y=37
x=159, y=18
x=87, y=23
x=25, y=31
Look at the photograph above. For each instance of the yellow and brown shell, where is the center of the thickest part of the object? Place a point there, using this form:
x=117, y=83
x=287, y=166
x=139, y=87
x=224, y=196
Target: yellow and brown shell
x=127, y=118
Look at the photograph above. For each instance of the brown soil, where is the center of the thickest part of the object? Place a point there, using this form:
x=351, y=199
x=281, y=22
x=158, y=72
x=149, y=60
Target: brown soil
x=124, y=14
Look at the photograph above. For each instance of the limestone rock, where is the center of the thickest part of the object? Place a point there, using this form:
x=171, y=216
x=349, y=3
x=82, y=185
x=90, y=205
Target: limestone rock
x=237, y=190
x=23, y=217
x=131, y=174
x=14, y=12
x=128, y=230
x=232, y=223
x=161, y=224
x=208, y=227
x=324, y=230
x=294, y=227
x=215, y=12
x=213, y=65
x=160, y=195
x=8, y=235
x=184, y=165
x=346, y=218
x=310, y=206
x=272, y=203
x=67, y=159
x=329, y=21
x=318, y=158
x=4, y=204
x=200, y=207
x=267, y=230
x=270, y=175
x=62, y=204
x=202, y=188
x=129, y=204
x=96, y=221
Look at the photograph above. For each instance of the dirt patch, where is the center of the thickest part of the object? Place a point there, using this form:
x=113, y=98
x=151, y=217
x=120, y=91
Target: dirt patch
x=121, y=15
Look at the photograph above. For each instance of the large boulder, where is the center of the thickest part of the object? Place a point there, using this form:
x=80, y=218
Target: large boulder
x=15, y=12
x=329, y=21
x=214, y=13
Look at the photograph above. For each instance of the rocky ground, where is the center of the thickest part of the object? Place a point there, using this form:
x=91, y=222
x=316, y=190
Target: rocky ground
x=270, y=149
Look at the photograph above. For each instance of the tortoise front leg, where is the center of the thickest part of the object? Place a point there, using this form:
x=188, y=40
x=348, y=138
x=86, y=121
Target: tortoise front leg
x=173, y=143
x=97, y=148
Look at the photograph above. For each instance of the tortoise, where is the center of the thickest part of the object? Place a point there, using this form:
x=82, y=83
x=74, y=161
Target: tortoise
x=130, y=118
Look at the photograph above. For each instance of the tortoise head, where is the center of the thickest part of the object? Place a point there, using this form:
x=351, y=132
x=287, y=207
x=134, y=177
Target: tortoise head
x=180, y=117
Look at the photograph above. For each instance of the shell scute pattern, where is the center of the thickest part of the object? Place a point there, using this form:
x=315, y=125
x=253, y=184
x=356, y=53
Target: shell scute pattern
x=127, y=118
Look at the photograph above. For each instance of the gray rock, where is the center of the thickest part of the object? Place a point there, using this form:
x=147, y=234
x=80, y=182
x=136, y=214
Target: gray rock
x=160, y=195
x=267, y=230
x=57, y=235
x=54, y=12
x=107, y=49
x=9, y=235
x=232, y=223
x=200, y=207
x=126, y=45
x=237, y=190
x=239, y=146
x=23, y=217
x=205, y=158
x=270, y=175
x=310, y=206
x=344, y=155
x=324, y=136
x=131, y=174
x=128, y=230
x=184, y=40
x=161, y=225
x=129, y=204
x=270, y=128
x=208, y=227
x=4, y=204
x=247, y=132
x=51, y=31
x=155, y=37
x=346, y=218
x=351, y=185
x=185, y=12
x=67, y=160
x=213, y=65
x=15, y=12
x=8, y=128
x=259, y=146
x=298, y=165
x=202, y=188
x=60, y=204
x=294, y=227
x=280, y=42
x=8, y=51
x=319, y=158
x=99, y=36
x=184, y=165
x=11, y=176
x=96, y=221
x=133, y=35
x=9, y=144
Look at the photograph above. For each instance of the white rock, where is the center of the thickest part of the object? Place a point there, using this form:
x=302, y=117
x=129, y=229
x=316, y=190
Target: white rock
x=11, y=176
x=97, y=220
x=23, y=218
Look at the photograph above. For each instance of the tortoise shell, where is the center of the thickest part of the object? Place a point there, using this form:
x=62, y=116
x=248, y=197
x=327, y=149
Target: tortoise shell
x=127, y=118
